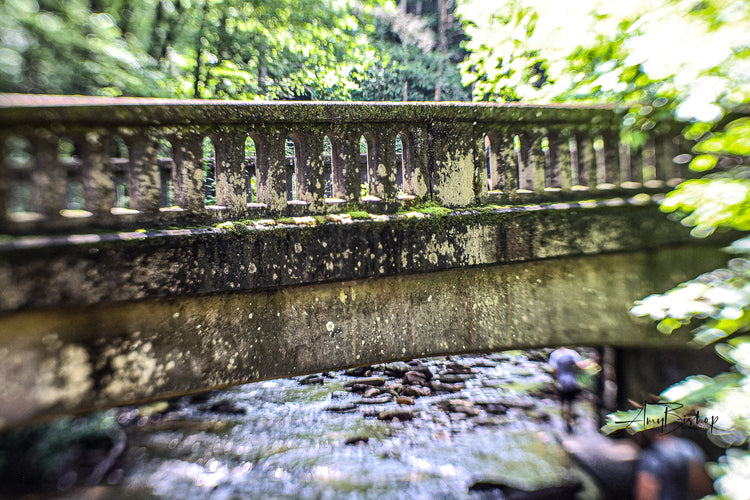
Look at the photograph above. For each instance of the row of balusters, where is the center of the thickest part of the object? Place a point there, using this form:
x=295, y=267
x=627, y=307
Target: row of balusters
x=53, y=176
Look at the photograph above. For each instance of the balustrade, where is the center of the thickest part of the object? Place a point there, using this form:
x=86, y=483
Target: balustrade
x=85, y=163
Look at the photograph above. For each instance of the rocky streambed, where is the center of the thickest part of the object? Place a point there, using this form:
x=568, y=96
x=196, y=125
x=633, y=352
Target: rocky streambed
x=483, y=426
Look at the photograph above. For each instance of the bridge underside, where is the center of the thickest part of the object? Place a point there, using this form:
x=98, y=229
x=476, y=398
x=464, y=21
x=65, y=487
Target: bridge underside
x=80, y=358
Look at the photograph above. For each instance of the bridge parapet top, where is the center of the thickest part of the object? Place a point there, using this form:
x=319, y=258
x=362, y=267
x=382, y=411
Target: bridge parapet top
x=80, y=163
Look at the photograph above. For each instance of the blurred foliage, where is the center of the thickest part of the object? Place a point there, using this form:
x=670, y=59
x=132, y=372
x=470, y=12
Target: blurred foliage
x=687, y=59
x=236, y=49
x=683, y=59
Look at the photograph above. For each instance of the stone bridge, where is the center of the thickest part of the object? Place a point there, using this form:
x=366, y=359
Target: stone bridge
x=152, y=248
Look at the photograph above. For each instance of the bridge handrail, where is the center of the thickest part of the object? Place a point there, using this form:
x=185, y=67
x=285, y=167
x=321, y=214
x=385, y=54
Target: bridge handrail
x=79, y=163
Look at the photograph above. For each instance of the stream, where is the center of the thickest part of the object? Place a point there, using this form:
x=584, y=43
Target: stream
x=428, y=429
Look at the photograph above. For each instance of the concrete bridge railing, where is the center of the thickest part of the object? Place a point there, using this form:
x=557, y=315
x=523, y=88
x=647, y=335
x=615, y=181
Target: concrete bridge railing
x=70, y=163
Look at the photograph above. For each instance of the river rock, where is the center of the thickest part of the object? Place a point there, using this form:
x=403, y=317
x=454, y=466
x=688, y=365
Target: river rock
x=311, y=380
x=360, y=371
x=424, y=370
x=414, y=378
x=346, y=408
x=499, y=490
x=385, y=398
x=400, y=412
x=404, y=400
x=369, y=381
x=371, y=392
x=358, y=388
x=357, y=440
x=460, y=406
x=226, y=406
x=458, y=368
x=494, y=408
x=396, y=369
x=538, y=356
x=516, y=403
x=415, y=391
x=539, y=416
x=441, y=387
x=453, y=378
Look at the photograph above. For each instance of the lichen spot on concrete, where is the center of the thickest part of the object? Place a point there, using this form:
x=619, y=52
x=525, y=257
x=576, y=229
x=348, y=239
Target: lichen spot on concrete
x=297, y=247
x=330, y=326
x=252, y=268
x=66, y=379
x=342, y=297
x=176, y=315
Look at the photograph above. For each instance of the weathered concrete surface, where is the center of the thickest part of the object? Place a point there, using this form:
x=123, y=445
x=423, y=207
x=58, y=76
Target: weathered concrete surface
x=40, y=272
x=91, y=356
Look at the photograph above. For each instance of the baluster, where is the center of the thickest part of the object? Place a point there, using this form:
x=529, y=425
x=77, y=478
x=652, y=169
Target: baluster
x=530, y=157
x=665, y=151
x=144, y=177
x=352, y=173
x=538, y=160
x=49, y=178
x=98, y=183
x=559, y=175
x=381, y=165
x=453, y=147
x=649, y=173
x=231, y=178
x=338, y=166
x=586, y=160
x=507, y=162
x=636, y=163
x=272, y=172
x=310, y=168
x=189, y=190
x=610, y=175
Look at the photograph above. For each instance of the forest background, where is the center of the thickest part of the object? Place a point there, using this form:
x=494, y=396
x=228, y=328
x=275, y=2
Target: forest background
x=656, y=60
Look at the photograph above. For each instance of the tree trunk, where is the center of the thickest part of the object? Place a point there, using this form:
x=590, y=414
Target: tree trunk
x=155, y=46
x=197, y=75
x=443, y=20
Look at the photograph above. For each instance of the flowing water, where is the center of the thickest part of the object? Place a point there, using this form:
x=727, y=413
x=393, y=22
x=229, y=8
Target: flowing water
x=282, y=439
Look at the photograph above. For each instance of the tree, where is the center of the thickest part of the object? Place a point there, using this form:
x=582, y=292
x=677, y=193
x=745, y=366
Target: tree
x=416, y=53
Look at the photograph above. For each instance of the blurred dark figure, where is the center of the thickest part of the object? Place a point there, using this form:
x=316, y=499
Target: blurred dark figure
x=670, y=468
